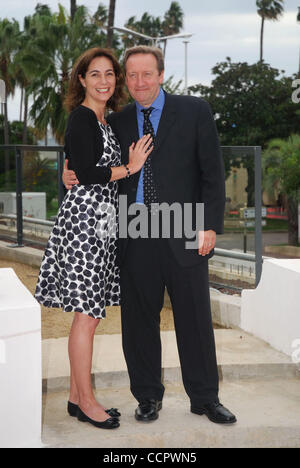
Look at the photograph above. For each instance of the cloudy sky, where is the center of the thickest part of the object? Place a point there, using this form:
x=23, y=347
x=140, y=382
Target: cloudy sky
x=221, y=28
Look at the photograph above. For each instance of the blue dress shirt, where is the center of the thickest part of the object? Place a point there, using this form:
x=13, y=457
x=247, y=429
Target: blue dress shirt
x=155, y=115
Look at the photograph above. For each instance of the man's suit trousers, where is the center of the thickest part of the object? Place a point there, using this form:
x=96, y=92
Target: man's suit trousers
x=148, y=267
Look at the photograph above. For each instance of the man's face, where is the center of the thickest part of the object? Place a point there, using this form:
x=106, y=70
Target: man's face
x=143, y=79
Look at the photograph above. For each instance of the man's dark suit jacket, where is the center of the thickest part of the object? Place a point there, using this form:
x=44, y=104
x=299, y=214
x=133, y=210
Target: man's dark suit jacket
x=186, y=161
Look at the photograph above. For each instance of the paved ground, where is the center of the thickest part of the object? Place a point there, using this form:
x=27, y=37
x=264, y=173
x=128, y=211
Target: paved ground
x=268, y=415
x=259, y=384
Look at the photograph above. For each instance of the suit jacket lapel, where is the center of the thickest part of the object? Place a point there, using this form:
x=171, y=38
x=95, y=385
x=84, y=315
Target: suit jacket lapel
x=167, y=119
x=132, y=131
x=132, y=125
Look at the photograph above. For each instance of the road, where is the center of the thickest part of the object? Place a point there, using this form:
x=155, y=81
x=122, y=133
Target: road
x=236, y=240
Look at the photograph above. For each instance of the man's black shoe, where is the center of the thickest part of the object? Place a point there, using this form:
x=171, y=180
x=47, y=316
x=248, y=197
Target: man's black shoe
x=215, y=412
x=148, y=410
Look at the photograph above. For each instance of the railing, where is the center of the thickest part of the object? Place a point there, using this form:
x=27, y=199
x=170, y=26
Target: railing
x=239, y=151
x=19, y=149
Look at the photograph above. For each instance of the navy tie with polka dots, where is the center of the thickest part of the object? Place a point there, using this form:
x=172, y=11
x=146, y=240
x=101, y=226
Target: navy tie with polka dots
x=150, y=194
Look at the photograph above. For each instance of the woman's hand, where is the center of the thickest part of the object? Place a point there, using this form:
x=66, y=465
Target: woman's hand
x=139, y=152
x=69, y=177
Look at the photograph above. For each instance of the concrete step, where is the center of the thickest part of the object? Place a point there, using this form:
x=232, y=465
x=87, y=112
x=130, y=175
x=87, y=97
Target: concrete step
x=268, y=414
x=240, y=356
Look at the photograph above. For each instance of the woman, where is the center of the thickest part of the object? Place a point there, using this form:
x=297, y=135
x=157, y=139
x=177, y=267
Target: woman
x=78, y=272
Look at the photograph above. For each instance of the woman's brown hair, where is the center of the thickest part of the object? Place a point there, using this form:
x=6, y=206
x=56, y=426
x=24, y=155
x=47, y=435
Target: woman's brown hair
x=76, y=93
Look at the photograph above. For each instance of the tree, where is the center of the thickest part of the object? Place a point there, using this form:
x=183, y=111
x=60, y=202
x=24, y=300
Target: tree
x=18, y=72
x=9, y=37
x=111, y=21
x=268, y=10
x=173, y=21
x=148, y=25
x=40, y=175
x=15, y=132
x=42, y=10
x=73, y=9
x=100, y=16
x=281, y=166
x=171, y=87
x=56, y=44
x=252, y=104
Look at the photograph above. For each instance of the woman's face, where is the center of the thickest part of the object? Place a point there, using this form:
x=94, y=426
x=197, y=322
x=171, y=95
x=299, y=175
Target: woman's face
x=100, y=80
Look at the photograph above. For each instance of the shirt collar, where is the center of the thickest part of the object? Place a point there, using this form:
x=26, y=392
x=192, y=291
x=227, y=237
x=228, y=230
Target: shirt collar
x=157, y=104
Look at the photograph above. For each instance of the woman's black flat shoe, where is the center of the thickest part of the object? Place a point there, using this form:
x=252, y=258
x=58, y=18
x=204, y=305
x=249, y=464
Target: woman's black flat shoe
x=110, y=423
x=112, y=412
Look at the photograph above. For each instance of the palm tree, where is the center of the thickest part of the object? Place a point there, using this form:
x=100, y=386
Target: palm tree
x=17, y=71
x=111, y=21
x=42, y=10
x=73, y=9
x=21, y=64
x=154, y=27
x=58, y=42
x=9, y=37
x=281, y=169
x=100, y=19
x=22, y=81
x=268, y=10
x=173, y=21
x=148, y=25
x=100, y=16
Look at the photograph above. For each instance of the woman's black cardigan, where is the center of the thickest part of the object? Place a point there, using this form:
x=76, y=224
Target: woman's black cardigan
x=84, y=147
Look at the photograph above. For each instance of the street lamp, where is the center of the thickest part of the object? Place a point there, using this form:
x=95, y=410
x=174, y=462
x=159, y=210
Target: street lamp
x=185, y=67
x=6, y=139
x=129, y=31
x=2, y=95
x=154, y=40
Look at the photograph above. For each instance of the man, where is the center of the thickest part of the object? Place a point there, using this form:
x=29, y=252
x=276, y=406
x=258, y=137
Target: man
x=185, y=167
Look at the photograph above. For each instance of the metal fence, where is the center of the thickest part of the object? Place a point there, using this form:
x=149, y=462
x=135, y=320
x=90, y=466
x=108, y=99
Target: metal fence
x=233, y=151
x=19, y=150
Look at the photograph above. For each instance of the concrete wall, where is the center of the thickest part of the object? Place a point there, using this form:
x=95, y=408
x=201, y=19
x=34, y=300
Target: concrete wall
x=20, y=364
x=272, y=310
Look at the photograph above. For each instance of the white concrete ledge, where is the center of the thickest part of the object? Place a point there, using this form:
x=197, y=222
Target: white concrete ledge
x=225, y=309
x=27, y=255
x=272, y=310
x=20, y=364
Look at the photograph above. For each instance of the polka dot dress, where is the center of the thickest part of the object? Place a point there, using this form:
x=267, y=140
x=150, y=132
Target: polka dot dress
x=78, y=271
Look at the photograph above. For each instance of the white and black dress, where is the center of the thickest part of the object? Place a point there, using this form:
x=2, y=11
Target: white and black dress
x=79, y=271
